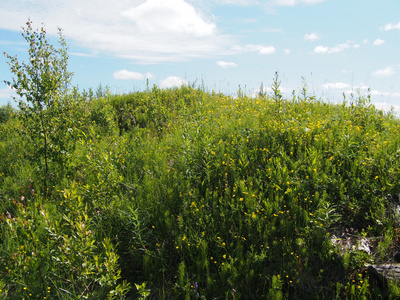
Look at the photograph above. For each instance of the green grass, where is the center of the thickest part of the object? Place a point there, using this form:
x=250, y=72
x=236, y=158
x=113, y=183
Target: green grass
x=187, y=194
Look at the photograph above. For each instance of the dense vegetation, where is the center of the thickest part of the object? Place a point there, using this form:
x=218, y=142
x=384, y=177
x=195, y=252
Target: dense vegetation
x=189, y=194
x=196, y=194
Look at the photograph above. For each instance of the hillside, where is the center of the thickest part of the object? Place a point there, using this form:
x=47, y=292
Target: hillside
x=188, y=194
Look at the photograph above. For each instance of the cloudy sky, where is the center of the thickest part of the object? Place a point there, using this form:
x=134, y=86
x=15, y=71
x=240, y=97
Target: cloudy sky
x=337, y=46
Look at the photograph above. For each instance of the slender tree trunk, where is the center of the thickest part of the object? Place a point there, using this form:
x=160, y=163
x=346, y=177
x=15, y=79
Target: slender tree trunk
x=45, y=152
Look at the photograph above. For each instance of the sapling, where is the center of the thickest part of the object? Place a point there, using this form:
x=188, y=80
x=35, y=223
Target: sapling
x=41, y=83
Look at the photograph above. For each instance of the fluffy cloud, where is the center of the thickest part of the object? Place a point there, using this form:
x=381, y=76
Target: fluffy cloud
x=172, y=81
x=378, y=42
x=336, y=49
x=150, y=31
x=385, y=72
x=262, y=50
x=125, y=74
x=166, y=17
x=390, y=26
x=312, y=37
x=225, y=64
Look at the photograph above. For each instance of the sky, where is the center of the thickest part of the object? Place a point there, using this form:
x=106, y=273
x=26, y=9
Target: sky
x=332, y=46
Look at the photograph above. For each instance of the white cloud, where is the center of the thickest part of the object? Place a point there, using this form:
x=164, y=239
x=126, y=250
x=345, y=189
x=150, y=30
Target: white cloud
x=321, y=49
x=335, y=86
x=365, y=41
x=262, y=50
x=225, y=64
x=385, y=72
x=148, y=75
x=312, y=37
x=7, y=93
x=386, y=107
x=378, y=42
x=390, y=26
x=148, y=31
x=266, y=50
x=172, y=81
x=125, y=74
x=336, y=49
x=295, y=2
x=286, y=51
x=173, y=16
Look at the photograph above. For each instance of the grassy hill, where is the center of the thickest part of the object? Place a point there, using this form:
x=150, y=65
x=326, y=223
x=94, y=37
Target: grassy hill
x=188, y=194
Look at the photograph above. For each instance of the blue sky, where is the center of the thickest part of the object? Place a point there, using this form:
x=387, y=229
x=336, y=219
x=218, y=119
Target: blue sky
x=338, y=46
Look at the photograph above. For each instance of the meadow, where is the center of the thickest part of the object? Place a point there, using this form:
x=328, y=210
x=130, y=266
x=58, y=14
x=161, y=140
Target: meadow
x=188, y=194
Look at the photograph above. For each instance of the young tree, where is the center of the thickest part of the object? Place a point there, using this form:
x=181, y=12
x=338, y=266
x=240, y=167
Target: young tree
x=41, y=83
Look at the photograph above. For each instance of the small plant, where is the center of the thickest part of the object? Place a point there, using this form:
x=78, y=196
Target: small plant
x=142, y=290
x=276, y=89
